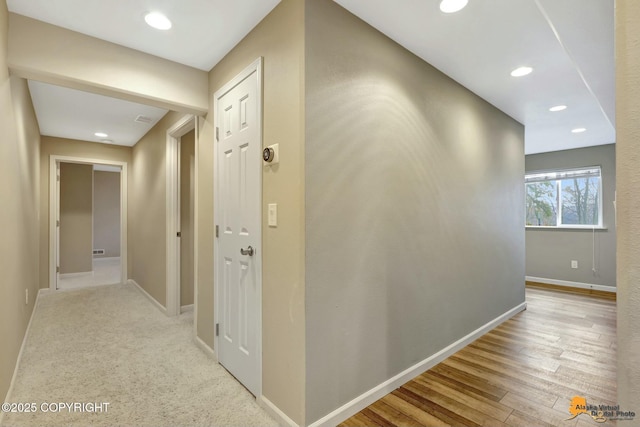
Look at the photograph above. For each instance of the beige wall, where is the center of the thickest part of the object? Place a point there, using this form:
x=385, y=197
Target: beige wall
x=279, y=39
x=106, y=213
x=147, y=220
x=414, y=209
x=19, y=146
x=628, y=201
x=187, y=186
x=76, y=218
x=71, y=148
x=43, y=52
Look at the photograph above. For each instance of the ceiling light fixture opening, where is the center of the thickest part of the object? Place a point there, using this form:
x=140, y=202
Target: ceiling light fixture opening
x=521, y=71
x=101, y=134
x=578, y=130
x=452, y=6
x=157, y=20
x=107, y=141
x=558, y=108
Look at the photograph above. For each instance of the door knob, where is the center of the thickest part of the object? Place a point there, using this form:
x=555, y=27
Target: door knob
x=248, y=251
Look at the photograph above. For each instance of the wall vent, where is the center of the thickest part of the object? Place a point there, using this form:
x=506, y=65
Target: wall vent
x=143, y=119
x=98, y=251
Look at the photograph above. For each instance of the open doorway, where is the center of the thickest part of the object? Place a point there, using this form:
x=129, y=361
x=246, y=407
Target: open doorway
x=187, y=204
x=87, y=223
x=181, y=207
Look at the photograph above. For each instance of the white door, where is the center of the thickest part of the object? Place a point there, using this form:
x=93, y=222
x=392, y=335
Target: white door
x=238, y=217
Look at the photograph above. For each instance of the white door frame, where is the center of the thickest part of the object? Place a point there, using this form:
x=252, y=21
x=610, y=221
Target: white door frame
x=186, y=124
x=255, y=67
x=54, y=204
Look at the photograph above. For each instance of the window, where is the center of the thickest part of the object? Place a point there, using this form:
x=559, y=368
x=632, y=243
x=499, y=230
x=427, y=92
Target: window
x=564, y=198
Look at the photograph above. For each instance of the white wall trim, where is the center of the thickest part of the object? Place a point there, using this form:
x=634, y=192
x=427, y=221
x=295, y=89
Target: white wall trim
x=205, y=347
x=105, y=258
x=275, y=412
x=148, y=295
x=53, y=211
x=19, y=359
x=569, y=284
x=359, y=403
x=68, y=275
x=174, y=133
x=196, y=218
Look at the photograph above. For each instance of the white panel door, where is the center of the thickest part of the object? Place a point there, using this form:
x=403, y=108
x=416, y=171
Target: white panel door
x=238, y=207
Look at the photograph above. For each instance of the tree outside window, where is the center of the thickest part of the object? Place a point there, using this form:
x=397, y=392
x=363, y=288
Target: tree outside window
x=567, y=198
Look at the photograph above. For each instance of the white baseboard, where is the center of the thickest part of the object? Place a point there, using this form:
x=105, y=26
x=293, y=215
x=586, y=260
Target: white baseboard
x=186, y=308
x=24, y=340
x=359, y=403
x=204, y=347
x=160, y=307
x=275, y=412
x=569, y=284
x=70, y=275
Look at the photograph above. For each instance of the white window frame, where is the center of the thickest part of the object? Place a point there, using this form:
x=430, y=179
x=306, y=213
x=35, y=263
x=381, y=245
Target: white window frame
x=557, y=175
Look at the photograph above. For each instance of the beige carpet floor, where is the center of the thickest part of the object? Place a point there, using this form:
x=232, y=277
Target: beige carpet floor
x=110, y=344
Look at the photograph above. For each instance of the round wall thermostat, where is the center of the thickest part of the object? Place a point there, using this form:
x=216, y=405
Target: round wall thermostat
x=267, y=154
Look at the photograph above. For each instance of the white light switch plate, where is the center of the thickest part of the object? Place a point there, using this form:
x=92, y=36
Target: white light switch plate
x=273, y=214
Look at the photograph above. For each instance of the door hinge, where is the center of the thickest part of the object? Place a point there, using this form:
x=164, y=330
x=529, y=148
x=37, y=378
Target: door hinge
x=217, y=230
x=57, y=177
x=217, y=329
x=58, y=269
x=179, y=234
x=58, y=223
x=217, y=133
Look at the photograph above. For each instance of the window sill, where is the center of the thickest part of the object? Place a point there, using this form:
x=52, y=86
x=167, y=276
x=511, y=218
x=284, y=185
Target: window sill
x=565, y=228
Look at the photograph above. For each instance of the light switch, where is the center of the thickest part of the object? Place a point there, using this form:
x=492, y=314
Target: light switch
x=273, y=214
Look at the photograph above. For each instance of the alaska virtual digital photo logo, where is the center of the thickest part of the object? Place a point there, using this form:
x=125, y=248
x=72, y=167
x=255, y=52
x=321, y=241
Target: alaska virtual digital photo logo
x=599, y=413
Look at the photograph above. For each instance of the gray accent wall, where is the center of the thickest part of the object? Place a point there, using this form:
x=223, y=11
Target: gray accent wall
x=549, y=251
x=106, y=213
x=414, y=209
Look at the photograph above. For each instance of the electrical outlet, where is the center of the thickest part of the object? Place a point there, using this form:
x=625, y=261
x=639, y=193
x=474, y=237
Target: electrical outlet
x=574, y=263
x=26, y=296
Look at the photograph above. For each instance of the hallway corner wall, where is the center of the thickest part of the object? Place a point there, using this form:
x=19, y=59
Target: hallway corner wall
x=19, y=188
x=628, y=202
x=414, y=213
x=147, y=210
x=279, y=40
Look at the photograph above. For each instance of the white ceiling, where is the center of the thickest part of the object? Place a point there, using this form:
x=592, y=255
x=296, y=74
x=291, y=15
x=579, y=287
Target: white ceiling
x=203, y=30
x=569, y=43
x=70, y=113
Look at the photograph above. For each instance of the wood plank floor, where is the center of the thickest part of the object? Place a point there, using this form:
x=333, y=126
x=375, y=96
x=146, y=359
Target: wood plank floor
x=523, y=373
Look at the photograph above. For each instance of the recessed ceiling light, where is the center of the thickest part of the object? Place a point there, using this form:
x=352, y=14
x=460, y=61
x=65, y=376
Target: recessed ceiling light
x=157, y=20
x=107, y=141
x=451, y=6
x=558, y=108
x=578, y=130
x=521, y=71
x=101, y=134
